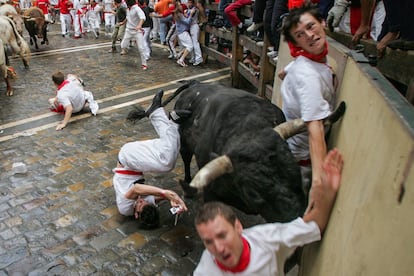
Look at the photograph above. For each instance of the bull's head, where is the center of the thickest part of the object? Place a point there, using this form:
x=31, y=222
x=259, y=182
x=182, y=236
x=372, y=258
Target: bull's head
x=39, y=25
x=223, y=165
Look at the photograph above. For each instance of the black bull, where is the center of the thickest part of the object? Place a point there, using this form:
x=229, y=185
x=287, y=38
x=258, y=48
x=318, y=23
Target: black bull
x=264, y=177
x=36, y=25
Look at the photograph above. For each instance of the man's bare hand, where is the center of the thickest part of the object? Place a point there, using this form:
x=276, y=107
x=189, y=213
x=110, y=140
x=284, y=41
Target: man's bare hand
x=362, y=32
x=322, y=197
x=60, y=126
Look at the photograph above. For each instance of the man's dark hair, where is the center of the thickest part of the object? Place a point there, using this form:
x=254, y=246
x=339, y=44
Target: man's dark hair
x=130, y=3
x=58, y=78
x=149, y=218
x=210, y=210
x=293, y=18
x=118, y=1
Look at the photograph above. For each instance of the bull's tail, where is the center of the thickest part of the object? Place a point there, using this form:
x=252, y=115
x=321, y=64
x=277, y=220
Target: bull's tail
x=336, y=115
x=138, y=113
x=22, y=48
x=186, y=85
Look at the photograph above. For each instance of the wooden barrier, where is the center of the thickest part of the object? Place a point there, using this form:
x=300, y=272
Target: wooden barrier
x=370, y=231
x=239, y=41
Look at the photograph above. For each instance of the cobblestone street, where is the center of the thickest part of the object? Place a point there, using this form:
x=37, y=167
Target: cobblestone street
x=60, y=218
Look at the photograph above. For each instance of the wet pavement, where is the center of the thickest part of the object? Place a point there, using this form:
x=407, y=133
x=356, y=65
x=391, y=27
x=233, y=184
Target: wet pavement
x=60, y=218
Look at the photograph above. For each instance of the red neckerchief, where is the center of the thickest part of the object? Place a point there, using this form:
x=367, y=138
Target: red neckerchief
x=296, y=51
x=62, y=84
x=244, y=260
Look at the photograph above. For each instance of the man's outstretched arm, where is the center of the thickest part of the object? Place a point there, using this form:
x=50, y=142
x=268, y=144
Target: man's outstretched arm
x=325, y=194
x=142, y=189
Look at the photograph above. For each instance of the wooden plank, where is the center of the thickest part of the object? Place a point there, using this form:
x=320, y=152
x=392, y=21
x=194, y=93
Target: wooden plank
x=212, y=6
x=237, y=55
x=395, y=64
x=247, y=74
x=268, y=92
x=219, y=56
x=250, y=44
x=219, y=33
x=247, y=11
x=267, y=70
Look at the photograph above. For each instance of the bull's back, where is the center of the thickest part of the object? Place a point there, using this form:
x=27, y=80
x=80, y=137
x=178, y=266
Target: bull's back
x=220, y=114
x=33, y=12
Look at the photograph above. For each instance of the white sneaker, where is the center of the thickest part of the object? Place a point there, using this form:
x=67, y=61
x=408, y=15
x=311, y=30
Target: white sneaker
x=180, y=53
x=275, y=59
x=254, y=27
x=260, y=43
x=198, y=62
x=272, y=54
x=181, y=63
x=52, y=103
x=94, y=107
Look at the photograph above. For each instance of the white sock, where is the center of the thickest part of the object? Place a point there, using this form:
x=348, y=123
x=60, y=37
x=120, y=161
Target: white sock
x=240, y=25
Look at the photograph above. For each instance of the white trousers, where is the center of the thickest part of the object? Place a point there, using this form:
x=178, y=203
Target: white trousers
x=77, y=24
x=185, y=40
x=154, y=155
x=65, y=23
x=147, y=42
x=109, y=19
x=195, y=34
x=139, y=38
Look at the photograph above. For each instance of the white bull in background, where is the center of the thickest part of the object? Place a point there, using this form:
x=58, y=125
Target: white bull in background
x=10, y=36
x=7, y=73
x=11, y=12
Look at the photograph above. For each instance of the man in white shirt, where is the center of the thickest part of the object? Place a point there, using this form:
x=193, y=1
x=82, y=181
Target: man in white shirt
x=154, y=155
x=134, y=31
x=70, y=97
x=308, y=90
x=263, y=249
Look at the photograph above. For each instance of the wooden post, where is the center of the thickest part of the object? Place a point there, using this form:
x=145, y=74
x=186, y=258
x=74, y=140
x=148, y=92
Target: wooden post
x=236, y=56
x=267, y=70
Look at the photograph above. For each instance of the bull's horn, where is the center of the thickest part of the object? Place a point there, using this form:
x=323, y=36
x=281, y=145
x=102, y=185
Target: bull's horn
x=293, y=127
x=48, y=21
x=31, y=19
x=290, y=128
x=213, y=169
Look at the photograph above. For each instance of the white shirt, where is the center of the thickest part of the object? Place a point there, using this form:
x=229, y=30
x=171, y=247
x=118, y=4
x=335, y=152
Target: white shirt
x=72, y=93
x=134, y=15
x=108, y=5
x=270, y=246
x=307, y=93
x=154, y=155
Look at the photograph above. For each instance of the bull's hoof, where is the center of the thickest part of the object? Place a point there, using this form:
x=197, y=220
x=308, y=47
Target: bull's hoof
x=47, y=42
x=9, y=93
x=42, y=42
x=189, y=192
